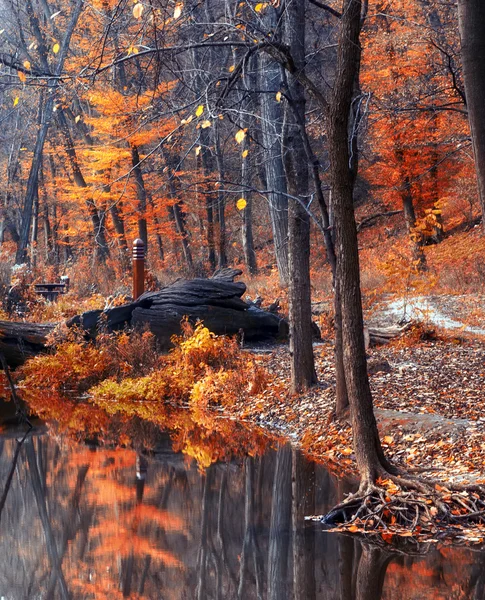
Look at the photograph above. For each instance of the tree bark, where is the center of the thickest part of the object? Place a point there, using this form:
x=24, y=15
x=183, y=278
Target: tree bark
x=368, y=451
x=303, y=373
x=471, y=21
x=272, y=125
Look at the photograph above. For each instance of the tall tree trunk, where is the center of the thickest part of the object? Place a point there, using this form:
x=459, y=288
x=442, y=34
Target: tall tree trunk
x=368, y=451
x=303, y=373
x=272, y=126
x=471, y=21
x=221, y=200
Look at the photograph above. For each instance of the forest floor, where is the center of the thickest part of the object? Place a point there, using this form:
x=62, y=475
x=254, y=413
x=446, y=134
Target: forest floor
x=428, y=389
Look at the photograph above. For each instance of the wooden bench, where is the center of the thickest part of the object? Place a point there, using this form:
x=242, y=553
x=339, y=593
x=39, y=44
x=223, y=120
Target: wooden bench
x=50, y=291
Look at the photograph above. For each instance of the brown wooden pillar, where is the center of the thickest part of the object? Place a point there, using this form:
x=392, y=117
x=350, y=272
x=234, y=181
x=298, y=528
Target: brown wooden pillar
x=138, y=268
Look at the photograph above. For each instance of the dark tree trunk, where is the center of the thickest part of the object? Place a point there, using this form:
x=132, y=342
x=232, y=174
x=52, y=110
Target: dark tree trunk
x=303, y=373
x=369, y=455
x=471, y=20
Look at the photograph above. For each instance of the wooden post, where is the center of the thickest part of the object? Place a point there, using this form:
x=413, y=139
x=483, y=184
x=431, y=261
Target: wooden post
x=138, y=268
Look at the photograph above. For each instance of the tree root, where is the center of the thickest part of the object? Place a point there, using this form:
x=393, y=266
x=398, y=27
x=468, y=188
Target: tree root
x=410, y=506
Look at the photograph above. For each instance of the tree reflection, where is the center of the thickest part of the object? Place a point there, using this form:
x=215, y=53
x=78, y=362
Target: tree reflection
x=89, y=523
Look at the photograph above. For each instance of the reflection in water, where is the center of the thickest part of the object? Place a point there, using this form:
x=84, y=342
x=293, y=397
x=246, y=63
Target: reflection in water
x=82, y=523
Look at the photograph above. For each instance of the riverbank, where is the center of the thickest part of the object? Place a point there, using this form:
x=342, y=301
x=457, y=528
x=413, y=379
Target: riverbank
x=428, y=399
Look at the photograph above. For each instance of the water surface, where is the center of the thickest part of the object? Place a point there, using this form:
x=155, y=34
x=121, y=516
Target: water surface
x=84, y=523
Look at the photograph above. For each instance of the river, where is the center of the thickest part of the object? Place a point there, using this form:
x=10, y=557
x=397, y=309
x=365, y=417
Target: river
x=83, y=522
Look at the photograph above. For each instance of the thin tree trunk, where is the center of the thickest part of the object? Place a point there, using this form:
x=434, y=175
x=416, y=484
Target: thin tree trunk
x=303, y=373
x=221, y=201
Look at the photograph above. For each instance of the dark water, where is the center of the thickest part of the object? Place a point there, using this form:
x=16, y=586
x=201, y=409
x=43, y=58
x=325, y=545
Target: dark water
x=84, y=523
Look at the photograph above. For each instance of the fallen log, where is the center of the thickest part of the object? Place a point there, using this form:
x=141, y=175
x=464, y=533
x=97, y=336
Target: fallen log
x=216, y=301
x=21, y=341
x=383, y=335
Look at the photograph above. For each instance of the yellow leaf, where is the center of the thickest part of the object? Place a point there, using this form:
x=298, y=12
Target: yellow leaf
x=77, y=119
x=178, y=10
x=205, y=124
x=231, y=68
x=16, y=101
x=245, y=153
x=278, y=96
x=388, y=439
x=22, y=76
x=27, y=64
x=200, y=110
x=259, y=7
x=197, y=151
x=240, y=135
x=187, y=120
x=138, y=10
x=56, y=48
x=241, y=204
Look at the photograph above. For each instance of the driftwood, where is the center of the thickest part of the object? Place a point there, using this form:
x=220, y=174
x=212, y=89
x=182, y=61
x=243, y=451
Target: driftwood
x=216, y=301
x=383, y=335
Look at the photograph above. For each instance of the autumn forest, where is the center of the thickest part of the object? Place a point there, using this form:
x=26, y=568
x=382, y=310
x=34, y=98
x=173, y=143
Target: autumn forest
x=331, y=156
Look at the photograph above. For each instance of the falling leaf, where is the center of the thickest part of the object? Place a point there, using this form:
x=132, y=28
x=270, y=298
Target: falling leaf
x=27, y=64
x=16, y=101
x=241, y=204
x=56, y=48
x=55, y=14
x=138, y=10
x=77, y=119
x=278, y=96
x=200, y=110
x=187, y=120
x=197, y=151
x=231, y=68
x=205, y=124
x=240, y=135
x=245, y=153
x=22, y=76
x=259, y=7
x=178, y=10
